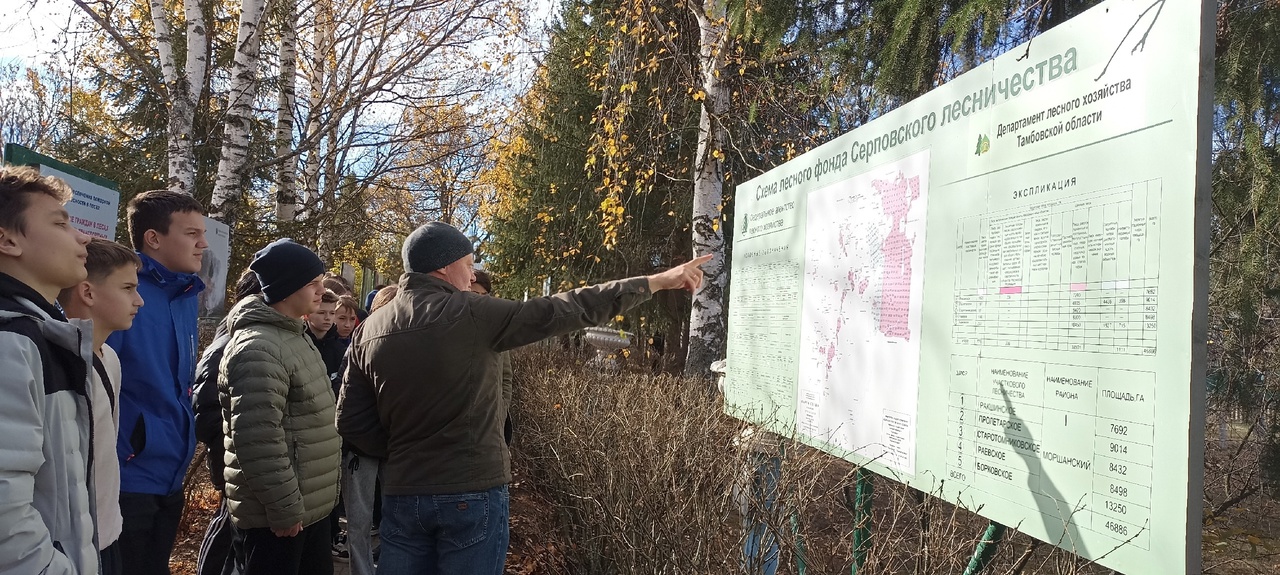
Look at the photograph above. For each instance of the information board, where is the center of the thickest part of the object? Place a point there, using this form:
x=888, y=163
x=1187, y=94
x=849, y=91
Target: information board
x=213, y=268
x=996, y=292
x=95, y=202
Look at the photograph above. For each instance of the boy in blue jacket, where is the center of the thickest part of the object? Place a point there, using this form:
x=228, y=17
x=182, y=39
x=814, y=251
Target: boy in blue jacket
x=157, y=358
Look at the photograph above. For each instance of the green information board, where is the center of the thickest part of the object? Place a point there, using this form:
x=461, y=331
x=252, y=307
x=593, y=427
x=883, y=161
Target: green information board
x=996, y=293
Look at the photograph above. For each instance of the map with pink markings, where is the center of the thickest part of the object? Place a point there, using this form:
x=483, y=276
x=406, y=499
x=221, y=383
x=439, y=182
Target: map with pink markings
x=863, y=290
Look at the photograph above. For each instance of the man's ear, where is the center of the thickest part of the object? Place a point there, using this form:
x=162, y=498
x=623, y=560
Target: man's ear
x=9, y=245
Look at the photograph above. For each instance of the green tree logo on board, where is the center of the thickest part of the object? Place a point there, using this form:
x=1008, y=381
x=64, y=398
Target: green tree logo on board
x=984, y=145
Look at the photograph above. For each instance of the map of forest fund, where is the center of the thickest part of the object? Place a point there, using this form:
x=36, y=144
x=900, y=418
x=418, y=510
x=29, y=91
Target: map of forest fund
x=863, y=278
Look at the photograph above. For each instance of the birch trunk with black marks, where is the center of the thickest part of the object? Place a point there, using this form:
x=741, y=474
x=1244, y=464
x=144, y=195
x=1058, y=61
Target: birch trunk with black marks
x=233, y=175
x=184, y=87
x=286, y=172
x=708, y=321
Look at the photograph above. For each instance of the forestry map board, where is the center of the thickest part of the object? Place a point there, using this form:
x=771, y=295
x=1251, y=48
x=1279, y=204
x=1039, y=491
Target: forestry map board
x=996, y=292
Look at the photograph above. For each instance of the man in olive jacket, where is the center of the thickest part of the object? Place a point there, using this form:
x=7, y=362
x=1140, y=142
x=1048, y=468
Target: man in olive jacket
x=282, y=450
x=423, y=391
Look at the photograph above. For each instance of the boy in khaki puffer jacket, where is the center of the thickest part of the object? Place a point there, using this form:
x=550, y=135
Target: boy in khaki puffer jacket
x=283, y=452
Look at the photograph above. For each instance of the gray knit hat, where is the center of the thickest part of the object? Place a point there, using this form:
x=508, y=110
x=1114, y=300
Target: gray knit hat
x=434, y=246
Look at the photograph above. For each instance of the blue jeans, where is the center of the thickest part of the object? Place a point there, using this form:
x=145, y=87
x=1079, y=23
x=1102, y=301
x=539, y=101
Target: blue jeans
x=760, y=550
x=456, y=534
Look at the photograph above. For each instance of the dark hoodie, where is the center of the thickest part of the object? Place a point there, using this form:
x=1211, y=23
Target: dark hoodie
x=331, y=348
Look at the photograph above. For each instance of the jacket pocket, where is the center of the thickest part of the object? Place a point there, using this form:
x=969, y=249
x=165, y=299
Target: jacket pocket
x=295, y=461
x=138, y=437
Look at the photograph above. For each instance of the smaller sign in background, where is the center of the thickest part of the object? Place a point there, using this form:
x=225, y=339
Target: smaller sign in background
x=213, y=268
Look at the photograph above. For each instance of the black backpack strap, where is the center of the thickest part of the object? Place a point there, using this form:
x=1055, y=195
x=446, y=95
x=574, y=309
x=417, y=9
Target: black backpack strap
x=106, y=381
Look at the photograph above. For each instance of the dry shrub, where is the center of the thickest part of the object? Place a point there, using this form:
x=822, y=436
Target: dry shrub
x=623, y=459
x=646, y=475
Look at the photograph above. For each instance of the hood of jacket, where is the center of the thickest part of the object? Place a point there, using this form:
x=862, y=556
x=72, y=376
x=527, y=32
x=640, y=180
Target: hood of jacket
x=253, y=310
x=328, y=338
x=14, y=290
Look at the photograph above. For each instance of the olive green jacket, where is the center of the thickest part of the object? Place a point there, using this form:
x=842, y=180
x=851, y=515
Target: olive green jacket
x=283, y=451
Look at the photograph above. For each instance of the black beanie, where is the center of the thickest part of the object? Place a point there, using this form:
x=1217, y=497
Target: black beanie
x=283, y=267
x=434, y=246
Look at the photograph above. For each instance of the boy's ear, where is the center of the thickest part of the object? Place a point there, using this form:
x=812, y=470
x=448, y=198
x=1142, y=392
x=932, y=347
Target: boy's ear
x=9, y=245
x=150, y=239
x=84, y=292
x=79, y=294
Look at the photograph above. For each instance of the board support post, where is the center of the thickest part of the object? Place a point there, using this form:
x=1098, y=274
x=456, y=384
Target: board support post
x=802, y=564
x=862, y=499
x=986, y=549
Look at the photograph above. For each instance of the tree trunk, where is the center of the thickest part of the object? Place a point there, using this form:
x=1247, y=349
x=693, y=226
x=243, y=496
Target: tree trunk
x=707, y=321
x=330, y=179
x=183, y=89
x=286, y=172
x=317, y=74
x=232, y=176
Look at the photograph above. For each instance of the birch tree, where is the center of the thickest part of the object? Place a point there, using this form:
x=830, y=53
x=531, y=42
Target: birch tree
x=233, y=176
x=181, y=86
x=708, y=323
x=286, y=172
x=356, y=63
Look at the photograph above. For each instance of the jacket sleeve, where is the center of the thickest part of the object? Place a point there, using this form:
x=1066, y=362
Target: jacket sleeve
x=258, y=387
x=358, y=420
x=511, y=324
x=25, y=543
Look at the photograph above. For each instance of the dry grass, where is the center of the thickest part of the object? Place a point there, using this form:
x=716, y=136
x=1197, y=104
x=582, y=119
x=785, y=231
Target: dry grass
x=202, y=504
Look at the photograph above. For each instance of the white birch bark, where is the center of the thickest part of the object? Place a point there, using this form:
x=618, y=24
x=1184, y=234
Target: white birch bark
x=707, y=320
x=317, y=76
x=232, y=177
x=286, y=172
x=183, y=88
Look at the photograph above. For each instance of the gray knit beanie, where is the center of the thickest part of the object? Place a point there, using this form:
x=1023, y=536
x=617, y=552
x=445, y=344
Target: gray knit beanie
x=434, y=246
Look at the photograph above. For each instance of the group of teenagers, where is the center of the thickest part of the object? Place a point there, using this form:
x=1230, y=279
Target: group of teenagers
x=104, y=395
